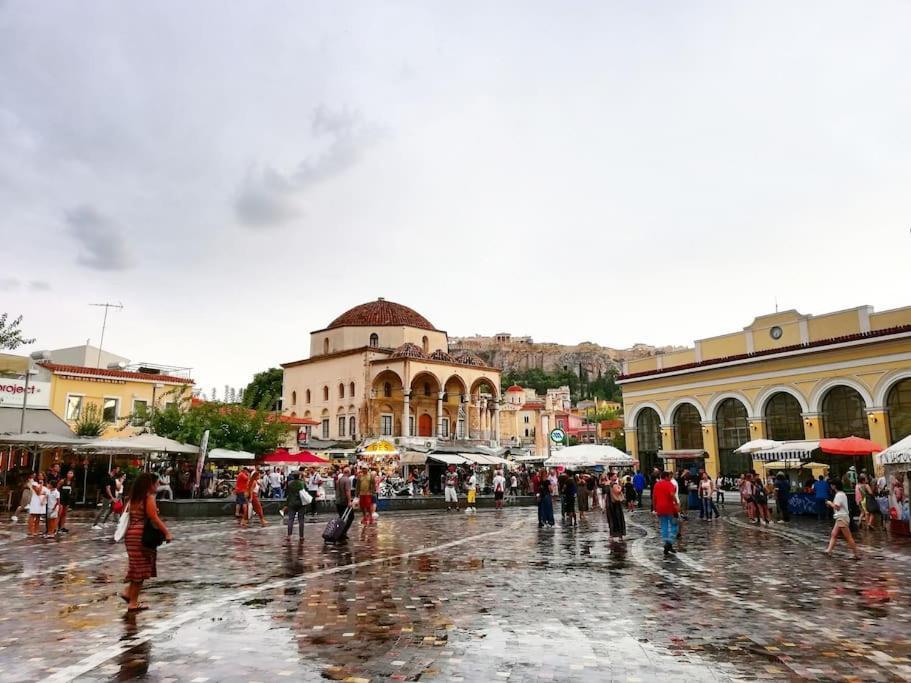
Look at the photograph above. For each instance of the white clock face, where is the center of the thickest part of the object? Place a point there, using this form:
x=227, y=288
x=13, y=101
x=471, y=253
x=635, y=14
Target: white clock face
x=775, y=332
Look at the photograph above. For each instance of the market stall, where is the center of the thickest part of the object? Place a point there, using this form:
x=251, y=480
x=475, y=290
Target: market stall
x=896, y=463
x=788, y=456
x=589, y=456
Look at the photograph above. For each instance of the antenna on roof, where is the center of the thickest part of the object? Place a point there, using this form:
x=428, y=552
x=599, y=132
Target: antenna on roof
x=104, y=325
x=776, y=304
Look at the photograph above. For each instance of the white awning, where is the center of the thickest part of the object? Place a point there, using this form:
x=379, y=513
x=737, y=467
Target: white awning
x=788, y=450
x=757, y=445
x=144, y=443
x=898, y=453
x=413, y=458
x=447, y=458
x=225, y=454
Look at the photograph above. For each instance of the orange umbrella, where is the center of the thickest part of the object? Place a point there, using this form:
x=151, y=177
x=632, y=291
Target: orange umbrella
x=850, y=445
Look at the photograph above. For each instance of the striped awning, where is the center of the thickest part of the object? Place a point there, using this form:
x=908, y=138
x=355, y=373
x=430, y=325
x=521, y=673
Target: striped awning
x=788, y=450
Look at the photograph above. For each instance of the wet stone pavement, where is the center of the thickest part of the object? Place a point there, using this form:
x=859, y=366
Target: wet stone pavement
x=451, y=597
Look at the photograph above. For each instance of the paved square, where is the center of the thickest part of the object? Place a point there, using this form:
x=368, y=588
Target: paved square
x=450, y=597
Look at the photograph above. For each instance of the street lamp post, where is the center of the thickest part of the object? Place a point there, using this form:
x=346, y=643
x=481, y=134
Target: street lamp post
x=38, y=356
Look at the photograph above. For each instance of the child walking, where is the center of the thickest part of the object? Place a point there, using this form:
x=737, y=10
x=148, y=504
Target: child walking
x=53, y=509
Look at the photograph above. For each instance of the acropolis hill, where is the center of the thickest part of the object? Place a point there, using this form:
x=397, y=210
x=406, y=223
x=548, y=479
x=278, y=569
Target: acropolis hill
x=506, y=352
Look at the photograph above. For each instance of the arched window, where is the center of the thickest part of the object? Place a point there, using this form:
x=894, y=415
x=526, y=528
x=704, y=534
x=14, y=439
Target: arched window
x=898, y=402
x=351, y=389
x=326, y=345
x=325, y=393
x=687, y=427
x=843, y=414
x=374, y=340
x=352, y=426
x=341, y=390
x=294, y=398
x=387, y=389
x=308, y=395
x=425, y=344
x=782, y=418
x=648, y=437
x=733, y=431
x=426, y=385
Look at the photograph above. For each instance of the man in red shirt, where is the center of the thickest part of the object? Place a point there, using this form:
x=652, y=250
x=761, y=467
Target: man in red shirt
x=240, y=494
x=667, y=507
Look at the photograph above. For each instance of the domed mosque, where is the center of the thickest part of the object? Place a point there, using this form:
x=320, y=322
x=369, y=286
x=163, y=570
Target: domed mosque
x=381, y=369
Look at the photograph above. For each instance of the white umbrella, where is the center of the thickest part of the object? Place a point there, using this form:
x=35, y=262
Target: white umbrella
x=589, y=455
x=144, y=443
x=757, y=445
x=225, y=454
x=898, y=453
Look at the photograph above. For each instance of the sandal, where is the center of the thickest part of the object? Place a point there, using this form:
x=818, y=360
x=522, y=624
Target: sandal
x=138, y=608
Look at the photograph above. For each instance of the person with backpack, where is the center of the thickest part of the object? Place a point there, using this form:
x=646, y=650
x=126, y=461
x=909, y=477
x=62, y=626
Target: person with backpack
x=760, y=502
x=295, y=506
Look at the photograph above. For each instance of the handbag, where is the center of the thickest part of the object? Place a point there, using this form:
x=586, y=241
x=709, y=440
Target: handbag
x=152, y=536
x=122, y=526
x=306, y=498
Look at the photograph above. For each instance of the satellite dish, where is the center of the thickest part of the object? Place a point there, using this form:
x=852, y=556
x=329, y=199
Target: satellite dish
x=119, y=365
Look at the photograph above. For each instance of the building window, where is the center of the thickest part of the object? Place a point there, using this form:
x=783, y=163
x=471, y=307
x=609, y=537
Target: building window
x=326, y=345
x=386, y=425
x=425, y=344
x=341, y=425
x=687, y=427
x=352, y=426
x=374, y=340
x=899, y=404
x=325, y=427
x=733, y=431
x=110, y=413
x=560, y=424
x=526, y=433
x=411, y=425
x=294, y=398
x=341, y=391
x=387, y=389
x=74, y=407
x=308, y=395
x=351, y=390
x=444, y=427
x=426, y=386
x=140, y=410
x=325, y=393
x=460, y=428
x=527, y=420
x=783, y=419
x=844, y=414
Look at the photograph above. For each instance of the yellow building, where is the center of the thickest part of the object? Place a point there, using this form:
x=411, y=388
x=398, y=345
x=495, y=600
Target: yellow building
x=786, y=376
x=115, y=394
x=383, y=370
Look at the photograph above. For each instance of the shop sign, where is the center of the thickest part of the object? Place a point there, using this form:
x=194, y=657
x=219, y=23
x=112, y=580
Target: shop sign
x=13, y=393
x=557, y=435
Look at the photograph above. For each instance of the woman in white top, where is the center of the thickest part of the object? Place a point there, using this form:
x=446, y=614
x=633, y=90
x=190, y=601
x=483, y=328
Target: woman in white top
x=36, y=505
x=842, y=516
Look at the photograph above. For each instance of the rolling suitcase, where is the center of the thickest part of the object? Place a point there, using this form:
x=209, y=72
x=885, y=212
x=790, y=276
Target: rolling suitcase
x=337, y=528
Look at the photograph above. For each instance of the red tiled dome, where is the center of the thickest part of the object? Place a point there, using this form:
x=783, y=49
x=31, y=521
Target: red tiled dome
x=409, y=350
x=381, y=313
x=468, y=358
x=440, y=354
x=516, y=388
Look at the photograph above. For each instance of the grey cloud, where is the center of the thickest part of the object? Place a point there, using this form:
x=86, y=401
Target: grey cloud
x=39, y=286
x=8, y=284
x=267, y=197
x=102, y=241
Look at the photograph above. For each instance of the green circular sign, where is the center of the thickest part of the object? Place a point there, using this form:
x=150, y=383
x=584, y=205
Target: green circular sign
x=557, y=435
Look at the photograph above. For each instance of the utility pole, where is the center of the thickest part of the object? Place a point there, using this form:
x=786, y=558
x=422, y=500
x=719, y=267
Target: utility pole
x=104, y=324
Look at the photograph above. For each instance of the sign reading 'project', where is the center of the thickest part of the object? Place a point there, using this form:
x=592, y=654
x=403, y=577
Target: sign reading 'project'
x=13, y=393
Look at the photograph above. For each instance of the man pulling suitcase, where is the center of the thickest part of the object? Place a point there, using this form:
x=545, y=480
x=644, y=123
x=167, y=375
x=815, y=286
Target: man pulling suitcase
x=337, y=529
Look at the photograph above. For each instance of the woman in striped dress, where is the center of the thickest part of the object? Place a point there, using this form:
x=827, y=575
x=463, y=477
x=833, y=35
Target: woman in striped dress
x=142, y=560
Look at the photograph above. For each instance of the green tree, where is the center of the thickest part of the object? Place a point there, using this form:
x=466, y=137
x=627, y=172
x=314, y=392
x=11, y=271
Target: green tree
x=264, y=390
x=234, y=427
x=90, y=422
x=10, y=335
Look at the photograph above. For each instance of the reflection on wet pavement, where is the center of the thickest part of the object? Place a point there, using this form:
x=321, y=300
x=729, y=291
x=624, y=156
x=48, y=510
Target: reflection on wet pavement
x=432, y=596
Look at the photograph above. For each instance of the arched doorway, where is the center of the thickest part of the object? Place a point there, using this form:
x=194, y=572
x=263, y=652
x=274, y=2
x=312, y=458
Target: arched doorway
x=843, y=414
x=733, y=430
x=783, y=418
x=687, y=427
x=425, y=425
x=898, y=403
x=648, y=438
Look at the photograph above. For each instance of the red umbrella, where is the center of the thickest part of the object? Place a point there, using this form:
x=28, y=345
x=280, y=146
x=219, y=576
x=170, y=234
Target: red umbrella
x=303, y=458
x=850, y=445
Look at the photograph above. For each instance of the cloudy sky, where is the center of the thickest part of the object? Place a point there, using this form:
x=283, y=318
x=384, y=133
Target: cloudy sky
x=237, y=174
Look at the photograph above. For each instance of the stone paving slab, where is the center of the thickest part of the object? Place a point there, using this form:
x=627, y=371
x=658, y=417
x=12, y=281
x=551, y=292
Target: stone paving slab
x=449, y=597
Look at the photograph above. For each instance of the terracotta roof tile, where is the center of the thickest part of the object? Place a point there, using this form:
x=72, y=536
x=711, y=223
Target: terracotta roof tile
x=381, y=313
x=119, y=374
